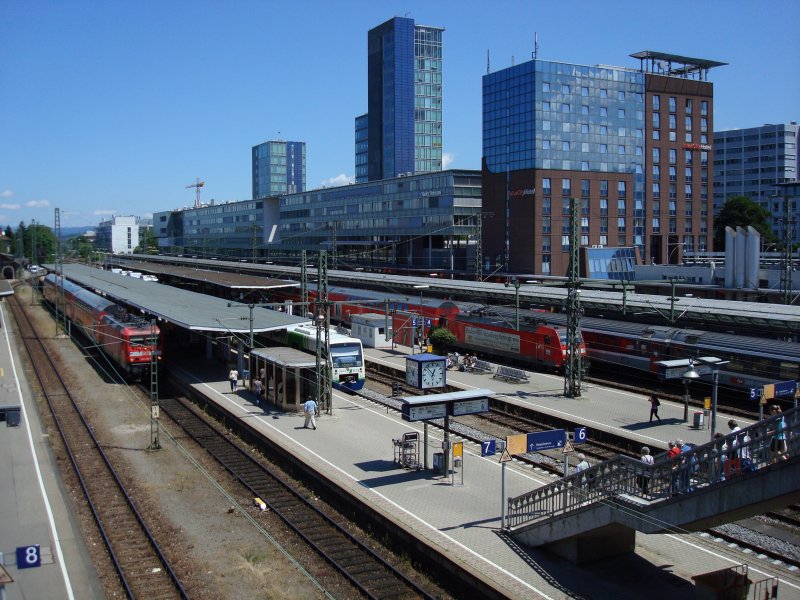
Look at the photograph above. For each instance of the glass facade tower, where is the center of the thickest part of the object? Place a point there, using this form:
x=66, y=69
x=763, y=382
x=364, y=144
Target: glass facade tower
x=279, y=168
x=401, y=133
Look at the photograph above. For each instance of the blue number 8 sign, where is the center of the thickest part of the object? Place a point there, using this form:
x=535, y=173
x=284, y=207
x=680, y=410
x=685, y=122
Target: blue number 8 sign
x=29, y=557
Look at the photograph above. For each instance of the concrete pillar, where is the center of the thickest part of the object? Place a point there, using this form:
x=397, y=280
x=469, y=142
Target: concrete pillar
x=752, y=258
x=730, y=256
x=740, y=258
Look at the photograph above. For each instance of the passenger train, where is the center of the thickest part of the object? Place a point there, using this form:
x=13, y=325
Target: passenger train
x=541, y=341
x=127, y=340
x=347, y=353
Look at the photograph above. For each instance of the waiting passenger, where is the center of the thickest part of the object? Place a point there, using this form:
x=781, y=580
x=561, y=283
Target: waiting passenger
x=644, y=479
x=778, y=447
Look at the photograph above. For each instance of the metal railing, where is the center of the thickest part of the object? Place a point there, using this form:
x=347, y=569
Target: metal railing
x=709, y=464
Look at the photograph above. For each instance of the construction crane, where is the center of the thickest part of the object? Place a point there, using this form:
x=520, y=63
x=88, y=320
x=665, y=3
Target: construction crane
x=197, y=187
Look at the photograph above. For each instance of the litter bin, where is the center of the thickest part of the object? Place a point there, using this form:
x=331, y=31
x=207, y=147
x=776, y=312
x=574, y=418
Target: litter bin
x=438, y=462
x=697, y=419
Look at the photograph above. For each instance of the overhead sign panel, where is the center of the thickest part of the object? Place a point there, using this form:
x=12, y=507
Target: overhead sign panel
x=546, y=440
x=422, y=413
x=470, y=407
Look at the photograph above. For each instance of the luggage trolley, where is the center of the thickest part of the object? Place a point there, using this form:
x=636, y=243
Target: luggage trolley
x=406, y=450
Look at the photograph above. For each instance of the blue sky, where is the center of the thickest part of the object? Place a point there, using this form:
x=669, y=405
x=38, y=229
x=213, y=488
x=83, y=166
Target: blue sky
x=114, y=107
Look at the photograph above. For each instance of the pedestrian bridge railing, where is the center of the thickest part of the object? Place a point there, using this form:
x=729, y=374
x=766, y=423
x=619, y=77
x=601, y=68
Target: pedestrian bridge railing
x=721, y=459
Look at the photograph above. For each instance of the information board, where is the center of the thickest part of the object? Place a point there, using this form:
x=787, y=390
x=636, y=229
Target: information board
x=422, y=413
x=546, y=440
x=469, y=407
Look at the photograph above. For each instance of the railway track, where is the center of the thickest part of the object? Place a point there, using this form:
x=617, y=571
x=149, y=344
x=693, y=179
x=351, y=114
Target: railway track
x=142, y=569
x=368, y=572
x=498, y=425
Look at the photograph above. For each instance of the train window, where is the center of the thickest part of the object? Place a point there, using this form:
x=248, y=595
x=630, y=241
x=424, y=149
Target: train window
x=547, y=339
x=735, y=365
x=790, y=370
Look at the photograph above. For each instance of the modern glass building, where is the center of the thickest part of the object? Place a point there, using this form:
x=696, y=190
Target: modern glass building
x=750, y=162
x=279, y=168
x=608, y=137
x=426, y=221
x=403, y=125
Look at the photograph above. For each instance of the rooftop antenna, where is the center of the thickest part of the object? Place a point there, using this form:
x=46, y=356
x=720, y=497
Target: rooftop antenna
x=487, y=61
x=535, y=45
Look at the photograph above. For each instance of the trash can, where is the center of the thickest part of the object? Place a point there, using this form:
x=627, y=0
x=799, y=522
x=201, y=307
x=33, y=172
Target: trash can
x=438, y=462
x=697, y=419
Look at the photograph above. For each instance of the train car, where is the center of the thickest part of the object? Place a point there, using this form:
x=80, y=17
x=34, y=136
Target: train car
x=347, y=353
x=127, y=340
x=347, y=302
x=752, y=362
x=542, y=346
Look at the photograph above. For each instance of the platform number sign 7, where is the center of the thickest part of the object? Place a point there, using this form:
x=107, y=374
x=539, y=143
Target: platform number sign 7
x=29, y=557
x=488, y=448
x=581, y=435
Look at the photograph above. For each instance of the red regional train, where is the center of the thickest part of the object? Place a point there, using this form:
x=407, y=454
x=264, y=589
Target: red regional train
x=127, y=340
x=538, y=345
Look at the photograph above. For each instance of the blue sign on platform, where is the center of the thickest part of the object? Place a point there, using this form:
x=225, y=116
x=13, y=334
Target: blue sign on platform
x=488, y=447
x=29, y=557
x=546, y=440
x=785, y=389
x=581, y=434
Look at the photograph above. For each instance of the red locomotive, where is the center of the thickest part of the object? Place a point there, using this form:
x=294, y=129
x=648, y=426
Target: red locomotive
x=537, y=345
x=129, y=341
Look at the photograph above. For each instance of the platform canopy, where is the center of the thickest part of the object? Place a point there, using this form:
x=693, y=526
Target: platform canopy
x=190, y=310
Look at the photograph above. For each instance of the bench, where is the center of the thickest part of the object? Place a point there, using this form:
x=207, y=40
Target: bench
x=479, y=366
x=511, y=374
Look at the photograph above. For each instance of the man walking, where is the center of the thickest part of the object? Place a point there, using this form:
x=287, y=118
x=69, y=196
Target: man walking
x=310, y=408
x=233, y=377
x=654, y=404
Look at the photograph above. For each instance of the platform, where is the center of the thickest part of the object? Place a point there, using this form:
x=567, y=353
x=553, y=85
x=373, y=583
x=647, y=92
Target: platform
x=33, y=509
x=353, y=446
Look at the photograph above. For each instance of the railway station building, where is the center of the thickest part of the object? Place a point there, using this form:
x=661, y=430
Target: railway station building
x=630, y=146
x=429, y=221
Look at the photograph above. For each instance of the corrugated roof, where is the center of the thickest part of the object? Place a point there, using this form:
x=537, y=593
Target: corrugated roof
x=186, y=309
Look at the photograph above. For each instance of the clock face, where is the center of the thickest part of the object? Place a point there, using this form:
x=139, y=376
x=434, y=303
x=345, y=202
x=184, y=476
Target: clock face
x=433, y=375
x=412, y=373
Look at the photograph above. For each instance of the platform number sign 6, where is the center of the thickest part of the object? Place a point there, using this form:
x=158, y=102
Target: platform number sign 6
x=29, y=557
x=581, y=434
x=488, y=448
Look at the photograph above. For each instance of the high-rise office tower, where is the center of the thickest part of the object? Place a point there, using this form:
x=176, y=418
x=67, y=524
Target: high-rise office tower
x=279, y=168
x=402, y=131
x=750, y=162
x=629, y=145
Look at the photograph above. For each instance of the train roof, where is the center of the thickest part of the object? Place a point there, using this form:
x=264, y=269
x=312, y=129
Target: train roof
x=706, y=340
x=190, y=310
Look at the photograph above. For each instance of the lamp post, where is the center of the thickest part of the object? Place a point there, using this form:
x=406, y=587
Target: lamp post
x=687, y=377
x=515, y=282
x=715, y=365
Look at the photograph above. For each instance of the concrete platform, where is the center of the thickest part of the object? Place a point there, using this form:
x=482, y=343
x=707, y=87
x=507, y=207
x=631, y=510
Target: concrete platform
x=32, y=506
x=604, y=409
x=353, y=446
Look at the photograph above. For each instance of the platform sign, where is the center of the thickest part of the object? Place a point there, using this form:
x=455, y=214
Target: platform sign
x=782, y=389
x=505, y=456
x=488, y=448
x=5, y=577
x=580, y=435
x=568, y=447
x=469, y=407
x=422, y=413
x=517, y=444
x=29, y=557
x=546, y=440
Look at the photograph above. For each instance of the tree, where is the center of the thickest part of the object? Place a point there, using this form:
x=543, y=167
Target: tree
x=740, y=211
x=147, y=242
x=441, y=340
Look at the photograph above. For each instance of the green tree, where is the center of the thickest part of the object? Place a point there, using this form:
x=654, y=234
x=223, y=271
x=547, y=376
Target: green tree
x=147, y=242
x=740, y=211
x=39, y=242
x=441, y=340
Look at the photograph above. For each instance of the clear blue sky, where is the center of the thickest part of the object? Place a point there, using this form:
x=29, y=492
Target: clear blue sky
x=113, y=107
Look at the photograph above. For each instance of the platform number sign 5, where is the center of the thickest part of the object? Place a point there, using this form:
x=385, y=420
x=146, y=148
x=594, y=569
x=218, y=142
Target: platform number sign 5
x=29, y=557
x=581, y=435
x=488, y=448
